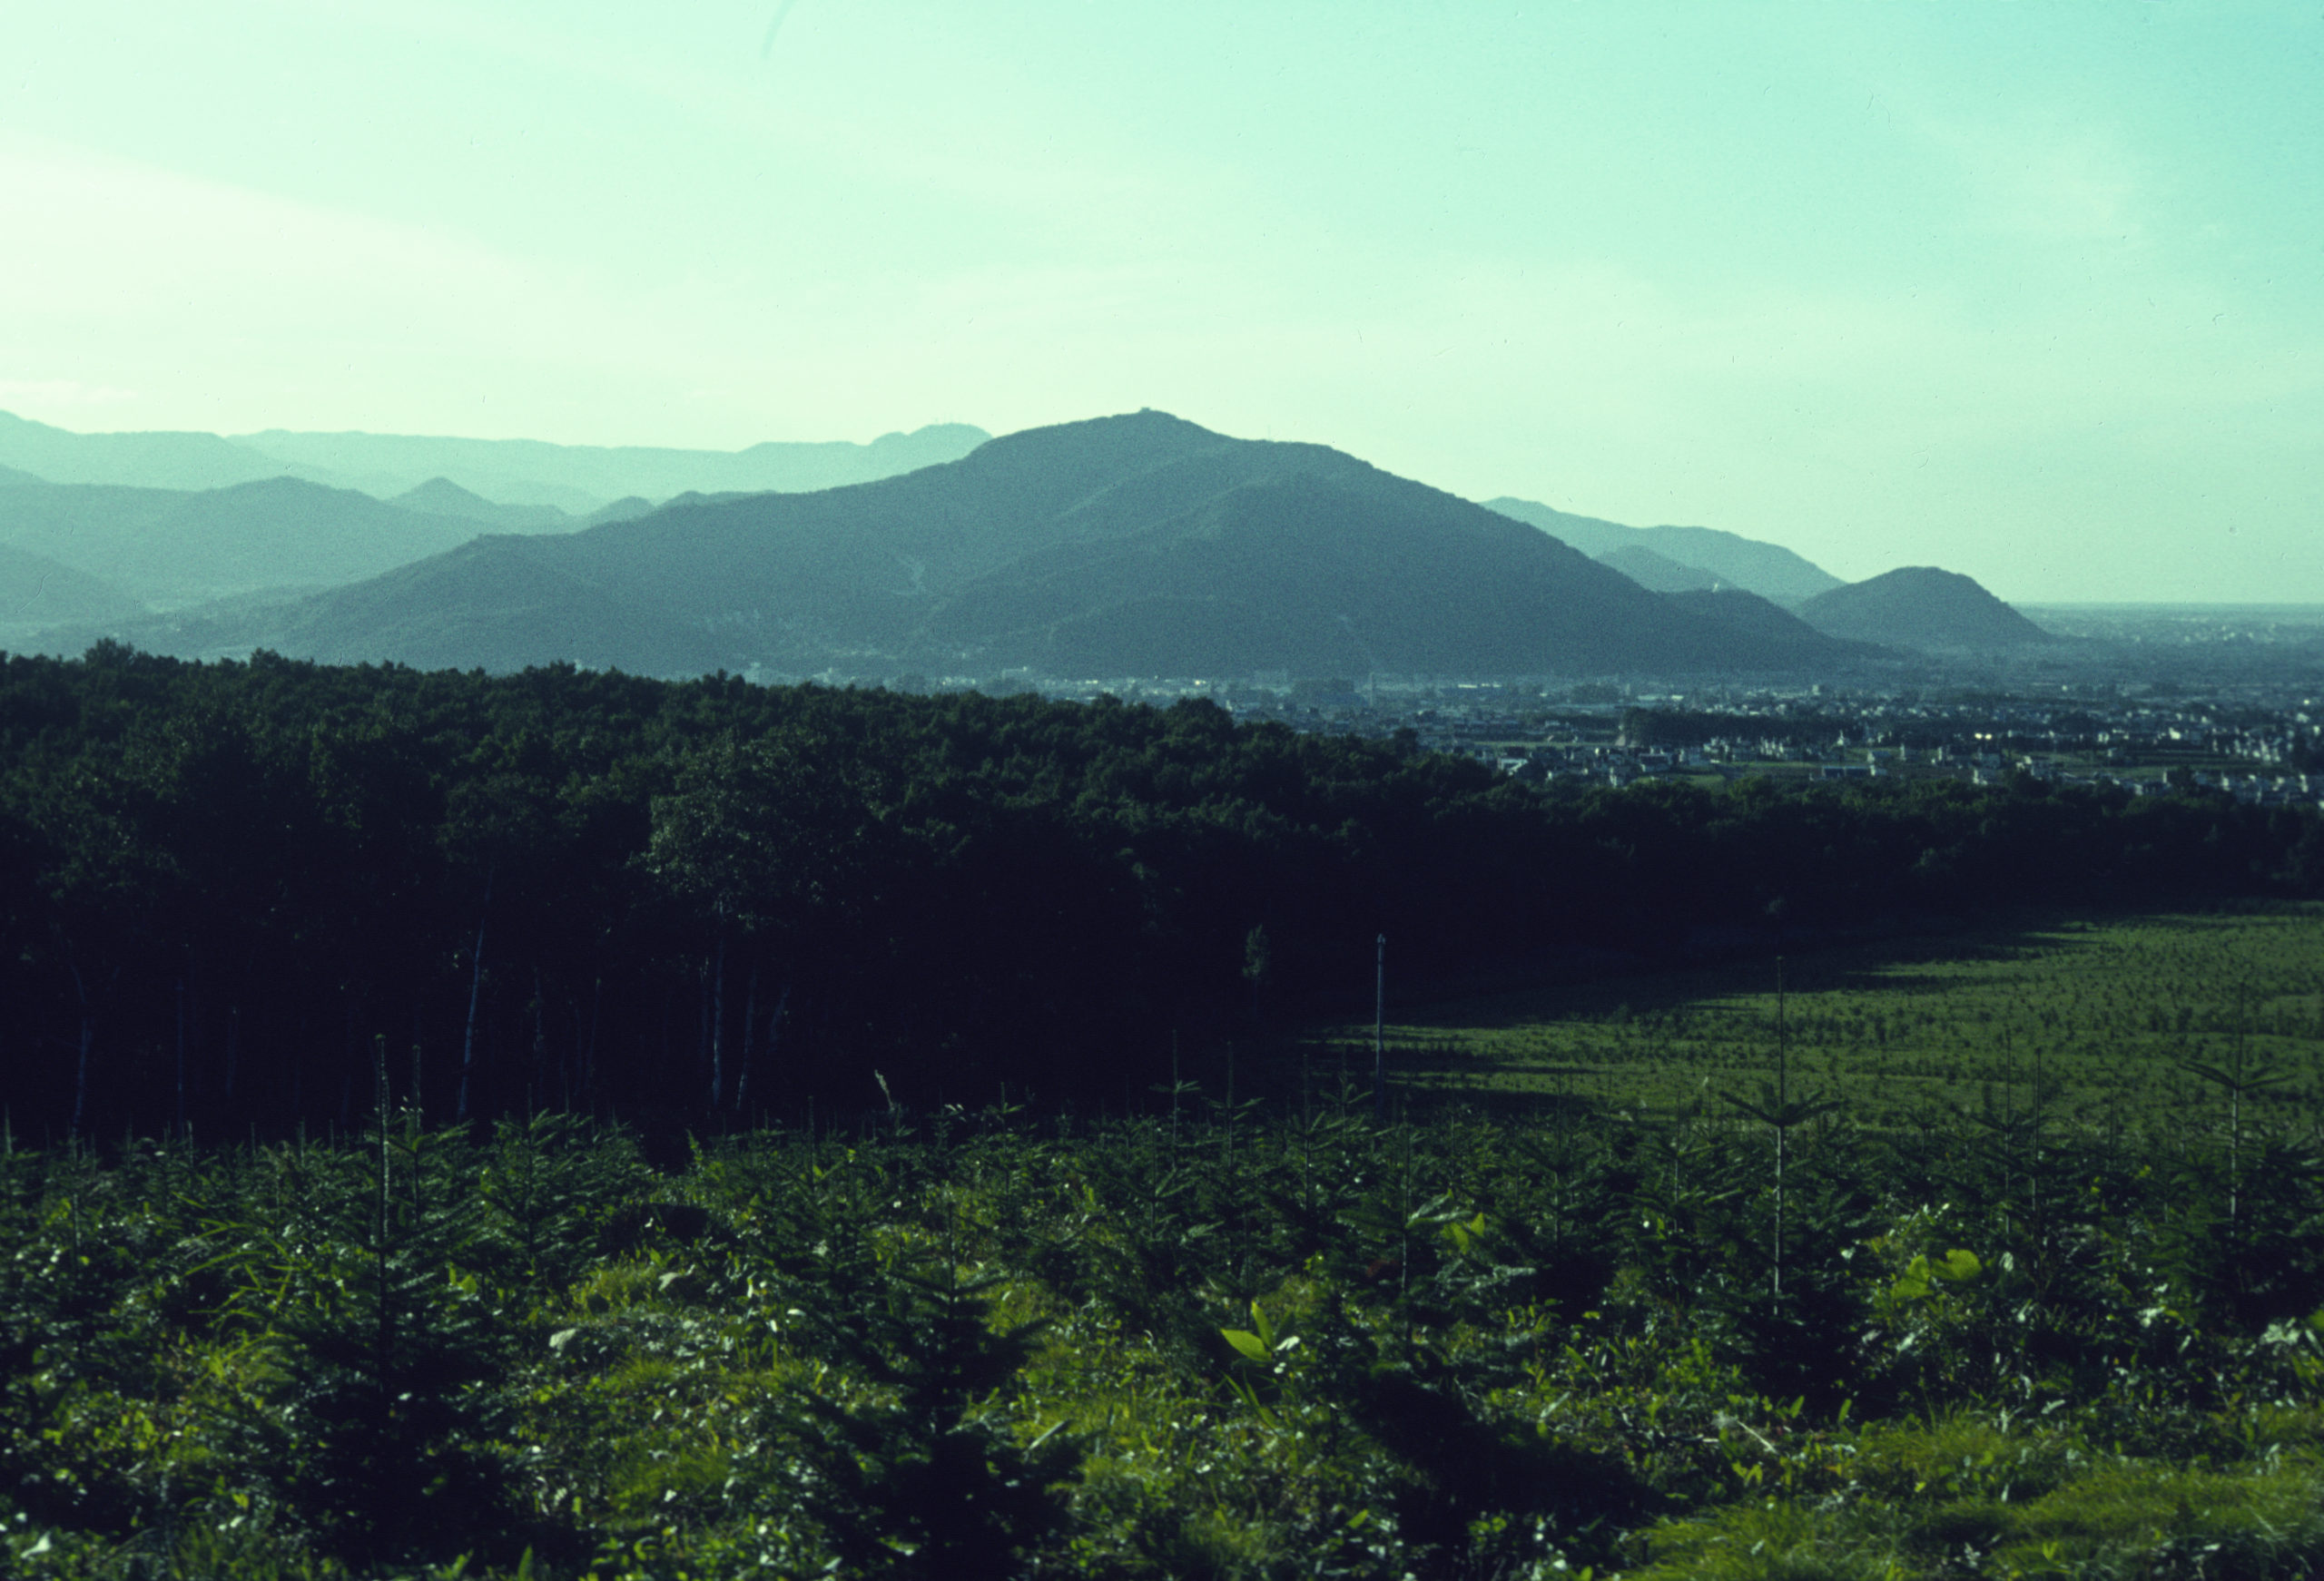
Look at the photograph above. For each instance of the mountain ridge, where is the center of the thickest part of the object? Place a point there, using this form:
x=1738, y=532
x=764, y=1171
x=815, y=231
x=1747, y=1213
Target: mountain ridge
x=1769, y=570
x=578, y=479
x=166, y=547
x=574, y=478
x=1129, y=544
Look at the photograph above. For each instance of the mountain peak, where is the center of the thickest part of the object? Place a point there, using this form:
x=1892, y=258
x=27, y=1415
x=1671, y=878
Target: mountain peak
x=1146, y=434
x=441, y=494
x=1921, y=606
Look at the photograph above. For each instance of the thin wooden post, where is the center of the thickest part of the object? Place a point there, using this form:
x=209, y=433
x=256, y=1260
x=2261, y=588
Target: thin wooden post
x=1380, y=1031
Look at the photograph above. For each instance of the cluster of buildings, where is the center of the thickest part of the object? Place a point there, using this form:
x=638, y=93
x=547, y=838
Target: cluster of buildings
x=2265, y=748
x=2258, y=740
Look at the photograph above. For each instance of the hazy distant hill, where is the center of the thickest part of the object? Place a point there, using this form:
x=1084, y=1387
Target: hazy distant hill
x=1923, y=607
x=1657, y=573
x=153, y=461
x=440, y=496
x=1138, y=545
x=165, y=547
x=1769, y=570
x=578, y=479
x=575, y=478
x=36, y=591
x=621, y=510
x=11, y=476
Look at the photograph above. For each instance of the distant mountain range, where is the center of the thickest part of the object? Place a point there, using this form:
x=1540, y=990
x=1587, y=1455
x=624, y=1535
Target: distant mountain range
x=169, y=546
x=1122, y=547
x=1920, y=606
x=1130, y=545
x=1917, y=607
x=575, y=479
x=578, y=479
x=169, y=520
x=1768, y=570
x=146, y=460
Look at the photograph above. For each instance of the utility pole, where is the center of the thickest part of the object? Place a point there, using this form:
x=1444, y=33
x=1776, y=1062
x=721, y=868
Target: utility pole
x=1783, y=1125
x=1380, y=1032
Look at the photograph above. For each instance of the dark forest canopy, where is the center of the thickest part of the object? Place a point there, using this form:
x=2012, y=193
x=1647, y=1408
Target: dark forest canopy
x=679, y=901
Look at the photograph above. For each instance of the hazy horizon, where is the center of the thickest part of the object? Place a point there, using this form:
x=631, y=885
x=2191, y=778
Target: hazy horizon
x=2032, y=294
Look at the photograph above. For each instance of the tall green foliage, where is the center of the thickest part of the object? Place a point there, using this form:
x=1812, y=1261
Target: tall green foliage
x=987, y=1345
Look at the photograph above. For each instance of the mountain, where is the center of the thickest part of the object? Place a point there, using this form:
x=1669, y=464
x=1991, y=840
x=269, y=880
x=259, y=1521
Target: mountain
x=1921, y=606
x=577, y=478
x=574, y=478
x=10, y=477
x=1656, y=573
x=152, y=460
x=36, y=591
x=496, y=602
x=167, y=546
x=1769, y=570
x=620, y=510
x=440, y=496
x=1746, y=615
x=1125, y=546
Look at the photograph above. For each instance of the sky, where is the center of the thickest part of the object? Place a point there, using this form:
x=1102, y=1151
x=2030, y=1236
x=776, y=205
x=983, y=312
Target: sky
x=2033, y=291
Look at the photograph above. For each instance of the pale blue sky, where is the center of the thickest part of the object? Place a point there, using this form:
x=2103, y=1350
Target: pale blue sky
x=2034, y=291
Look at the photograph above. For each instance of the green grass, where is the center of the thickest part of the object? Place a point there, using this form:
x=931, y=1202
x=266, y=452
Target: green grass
x=2093, y=1017
x=1967, y=1498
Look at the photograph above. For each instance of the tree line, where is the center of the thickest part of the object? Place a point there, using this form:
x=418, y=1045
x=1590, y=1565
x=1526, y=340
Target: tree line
x=225, y=886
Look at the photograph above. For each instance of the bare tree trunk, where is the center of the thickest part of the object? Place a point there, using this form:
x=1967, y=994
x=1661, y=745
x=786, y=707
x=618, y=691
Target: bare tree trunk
x=589, y=1059
x=476, y=993
x=718, y=1026
x=774, y=1024
x=180, y=1070
x=539, y=1054
x=750, y=1039
x=347, y=1077
x=568, y=1055
x=81, y=1066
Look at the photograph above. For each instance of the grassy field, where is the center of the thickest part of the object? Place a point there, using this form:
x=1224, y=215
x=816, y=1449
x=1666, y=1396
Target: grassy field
x=2091, y=1019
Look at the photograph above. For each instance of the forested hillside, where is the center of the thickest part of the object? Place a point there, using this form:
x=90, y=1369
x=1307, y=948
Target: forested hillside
x=709, y=901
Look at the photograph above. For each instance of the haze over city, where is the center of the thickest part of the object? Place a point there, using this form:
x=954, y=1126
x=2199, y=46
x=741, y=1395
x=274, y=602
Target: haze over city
x=2035, y=294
